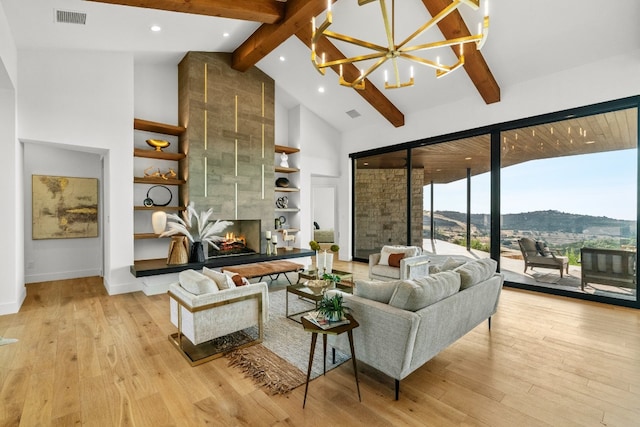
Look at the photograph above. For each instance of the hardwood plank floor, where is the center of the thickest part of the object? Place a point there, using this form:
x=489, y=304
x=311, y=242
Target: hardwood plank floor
x=88, y=358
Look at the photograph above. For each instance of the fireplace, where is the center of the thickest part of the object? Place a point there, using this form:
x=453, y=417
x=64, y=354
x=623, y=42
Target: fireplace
x=241, y=238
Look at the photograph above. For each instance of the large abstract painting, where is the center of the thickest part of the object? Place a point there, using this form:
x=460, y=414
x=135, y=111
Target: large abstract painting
x=64, y=207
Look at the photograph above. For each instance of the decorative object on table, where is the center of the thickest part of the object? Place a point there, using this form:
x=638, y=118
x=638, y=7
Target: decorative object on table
x=282, y=202
x=334, y=248
x=274, y=242
x=288, y=239
x=267, y=236
x=331, y=307
x=331, y=279
x=158, y=144
x=324, y=262
x=169, y=174
x=282, y=182
x=159, y=221
x=314, y=245
x=197, y=252
x=205, y=231
x=284, y=160
x=178, y=250
x=64, y=207
x=149, y=201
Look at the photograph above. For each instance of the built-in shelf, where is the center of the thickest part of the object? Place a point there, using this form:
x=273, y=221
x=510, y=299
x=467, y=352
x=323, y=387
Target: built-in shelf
x=162, y=155
x=158, y=180
x=280, y=169
x=289, y=230
x=285, y=149
x=138, y=236
x=286, y=189
x=159, y=208
x=287, y=210
x=156, y=127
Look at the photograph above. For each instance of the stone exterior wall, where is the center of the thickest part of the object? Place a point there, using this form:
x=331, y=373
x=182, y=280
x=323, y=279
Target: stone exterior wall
x=229, y=116
x=380, y=208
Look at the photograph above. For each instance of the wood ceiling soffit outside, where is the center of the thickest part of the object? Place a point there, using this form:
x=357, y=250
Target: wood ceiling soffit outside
x=297, y=21
x=247, y=10
x=453, y=26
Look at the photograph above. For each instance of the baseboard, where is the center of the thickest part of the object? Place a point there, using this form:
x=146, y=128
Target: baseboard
x=159, y=284
x=122, y=288
x=14, y=307
x=63, y=275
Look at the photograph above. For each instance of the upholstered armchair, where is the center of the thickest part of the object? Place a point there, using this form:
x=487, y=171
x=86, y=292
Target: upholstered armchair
x=202, y=314
x=398, y=263
x=537, y=254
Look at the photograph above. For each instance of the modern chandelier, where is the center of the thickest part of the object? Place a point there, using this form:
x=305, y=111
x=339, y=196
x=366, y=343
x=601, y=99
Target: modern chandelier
x=393, y=51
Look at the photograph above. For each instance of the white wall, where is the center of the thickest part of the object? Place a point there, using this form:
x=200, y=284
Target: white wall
x=606, y=80
x=57, y=259
x=84, y=100
x=12, y=289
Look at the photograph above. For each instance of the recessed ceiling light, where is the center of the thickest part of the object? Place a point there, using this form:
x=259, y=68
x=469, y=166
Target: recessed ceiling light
x=225, y=34
x=156, y=28
x=321, y=89
x=282, y=58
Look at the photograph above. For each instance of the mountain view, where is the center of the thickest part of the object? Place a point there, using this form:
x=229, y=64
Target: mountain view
x=562, y=231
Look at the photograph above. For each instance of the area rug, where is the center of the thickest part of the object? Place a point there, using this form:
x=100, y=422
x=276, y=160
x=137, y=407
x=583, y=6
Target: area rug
x=280, y=363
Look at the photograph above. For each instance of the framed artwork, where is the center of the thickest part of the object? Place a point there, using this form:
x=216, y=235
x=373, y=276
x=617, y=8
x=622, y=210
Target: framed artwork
x=64, y=207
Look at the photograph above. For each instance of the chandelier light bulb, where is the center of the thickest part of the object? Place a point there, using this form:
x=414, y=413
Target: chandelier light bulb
x=386, y=76
x=411, y=72
x=340, y=70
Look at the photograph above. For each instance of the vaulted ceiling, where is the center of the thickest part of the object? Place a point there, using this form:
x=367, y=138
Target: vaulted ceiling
x=281, y=20
x=527, y=40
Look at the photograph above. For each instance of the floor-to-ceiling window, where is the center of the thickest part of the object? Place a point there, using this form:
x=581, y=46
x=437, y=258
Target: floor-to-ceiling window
x=566, y=181
x=568, y=185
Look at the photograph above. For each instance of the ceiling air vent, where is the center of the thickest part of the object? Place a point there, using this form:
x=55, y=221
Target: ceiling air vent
x=69, y=17
x=353, y=114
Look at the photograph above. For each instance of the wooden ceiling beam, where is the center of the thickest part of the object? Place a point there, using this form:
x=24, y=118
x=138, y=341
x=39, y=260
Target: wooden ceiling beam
x=453, y=26
x=265, y=11
x=350, y=72
x=298, y=14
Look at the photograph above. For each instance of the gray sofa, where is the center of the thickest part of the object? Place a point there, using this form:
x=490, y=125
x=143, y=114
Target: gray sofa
x=398, y=341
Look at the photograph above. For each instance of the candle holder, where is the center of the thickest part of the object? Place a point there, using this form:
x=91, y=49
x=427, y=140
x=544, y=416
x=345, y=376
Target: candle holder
x=268, y=245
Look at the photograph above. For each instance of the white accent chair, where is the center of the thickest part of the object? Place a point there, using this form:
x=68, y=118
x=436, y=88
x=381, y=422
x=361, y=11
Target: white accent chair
x=204, y=317
x=413, y=264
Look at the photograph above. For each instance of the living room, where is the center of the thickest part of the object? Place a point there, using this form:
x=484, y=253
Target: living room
x=81, y=102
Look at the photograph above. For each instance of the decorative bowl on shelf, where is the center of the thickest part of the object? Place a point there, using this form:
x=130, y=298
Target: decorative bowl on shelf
x=282, y=182
x=158, y=144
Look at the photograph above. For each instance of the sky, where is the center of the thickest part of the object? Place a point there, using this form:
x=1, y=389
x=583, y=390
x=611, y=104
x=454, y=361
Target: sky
x=602, y=184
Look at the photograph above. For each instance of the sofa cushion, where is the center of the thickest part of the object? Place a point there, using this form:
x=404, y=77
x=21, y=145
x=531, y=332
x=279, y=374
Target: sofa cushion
x=474, y=272
x=196, y=283
x=408, y=251
x=385, y=271
x=416, y=294
x=237, y=279
x=222, y=280
x=448, y=265
x=394, y=260
x=375, y=290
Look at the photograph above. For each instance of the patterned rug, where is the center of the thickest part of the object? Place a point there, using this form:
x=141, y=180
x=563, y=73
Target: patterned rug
x=280, y=363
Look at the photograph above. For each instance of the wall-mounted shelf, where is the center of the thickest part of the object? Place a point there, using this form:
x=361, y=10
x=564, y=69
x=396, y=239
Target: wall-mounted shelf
x=162, y=155
x=154, y=180
x=280, y=169
x=157, y=127
x=289, y=230
x=286, y=189
x=159, y=208
x=285, y=149
x=287, y=210
x=138, y=236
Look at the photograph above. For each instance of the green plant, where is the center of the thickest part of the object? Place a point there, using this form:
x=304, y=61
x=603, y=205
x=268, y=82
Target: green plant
x=314, y=245
x=334, y=248
x=331, y=307
x=331, y=277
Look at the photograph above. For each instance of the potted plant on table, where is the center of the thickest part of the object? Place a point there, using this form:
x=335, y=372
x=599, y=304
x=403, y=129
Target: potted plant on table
x=332, y=308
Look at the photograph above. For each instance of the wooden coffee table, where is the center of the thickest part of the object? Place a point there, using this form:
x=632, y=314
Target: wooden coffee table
x=311, y=294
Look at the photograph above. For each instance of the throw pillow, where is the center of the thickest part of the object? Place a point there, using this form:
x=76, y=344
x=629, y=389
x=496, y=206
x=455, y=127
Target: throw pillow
x=408, y=251
x=237, y=279
x=474, y=272
x=413, y=295
x=375, y=291
x=222, y=280
x=451, y=264
x=196, y=283
x=394, y=260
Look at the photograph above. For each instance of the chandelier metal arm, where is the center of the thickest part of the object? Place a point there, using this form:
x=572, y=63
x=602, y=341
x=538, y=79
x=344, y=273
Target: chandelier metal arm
x=358, y=83
x=435, y=45
x=351, y=60
x=357, y=42
x=387, y=27
x=433, y=21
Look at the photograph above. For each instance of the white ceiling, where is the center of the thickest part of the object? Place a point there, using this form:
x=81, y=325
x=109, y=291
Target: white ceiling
x=527, y=39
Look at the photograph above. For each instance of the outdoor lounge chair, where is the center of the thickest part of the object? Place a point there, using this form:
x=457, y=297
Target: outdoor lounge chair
x=537, y=254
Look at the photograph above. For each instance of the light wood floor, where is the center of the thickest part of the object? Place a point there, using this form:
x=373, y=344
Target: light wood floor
x=88, y=358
